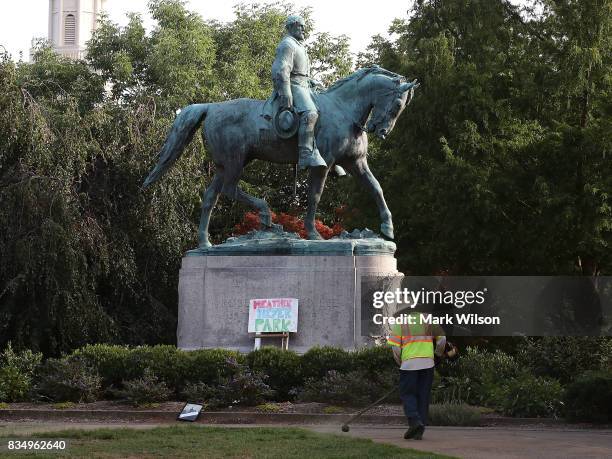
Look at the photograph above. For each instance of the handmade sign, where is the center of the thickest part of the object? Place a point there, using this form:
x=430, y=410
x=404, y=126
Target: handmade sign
x=273, y=315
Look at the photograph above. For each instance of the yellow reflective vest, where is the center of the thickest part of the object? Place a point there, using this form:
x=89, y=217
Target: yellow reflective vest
x=415, y=341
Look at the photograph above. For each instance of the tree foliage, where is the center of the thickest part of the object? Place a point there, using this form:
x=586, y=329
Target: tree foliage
x=501, y=164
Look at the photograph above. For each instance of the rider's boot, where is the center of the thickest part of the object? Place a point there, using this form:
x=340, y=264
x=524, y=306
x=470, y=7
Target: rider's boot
x=310, y=158
x=309, y=154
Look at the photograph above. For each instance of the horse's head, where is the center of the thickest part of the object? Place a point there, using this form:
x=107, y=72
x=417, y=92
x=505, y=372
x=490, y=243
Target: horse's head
x=390, y=98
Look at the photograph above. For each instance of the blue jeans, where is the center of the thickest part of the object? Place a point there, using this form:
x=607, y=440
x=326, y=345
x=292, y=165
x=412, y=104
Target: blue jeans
x=415, y=390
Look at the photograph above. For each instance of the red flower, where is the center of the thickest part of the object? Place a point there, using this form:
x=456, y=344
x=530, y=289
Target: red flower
x=290, y=223
x=249, y=223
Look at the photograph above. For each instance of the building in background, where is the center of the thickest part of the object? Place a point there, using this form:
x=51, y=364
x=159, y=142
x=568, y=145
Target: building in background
x=71, y=25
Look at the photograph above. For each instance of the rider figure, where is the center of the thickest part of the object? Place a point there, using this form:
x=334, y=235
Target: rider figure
x=292, y=83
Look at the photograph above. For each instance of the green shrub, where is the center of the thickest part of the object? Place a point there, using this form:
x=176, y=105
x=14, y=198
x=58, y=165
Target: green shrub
x=205, y=394
x=318, y=361
x=14, y=385
x=269, y=408
x=373, y=360
x=166, y=362
x=589, y=397
x=112, y=362
x=498, y=380
x=454, y=414
x=208, y=365
x=476, y=376
x=333, y=409
x=248, y=387
x=243, y=387
x=336, y=387
x=146, y=389
x=64, y=405
x=173, y=366
x=25, y=361
x=16, y=370
x=531, y=396
x=478, y=363
x=452, y=389
x=149, y=405
x=282, y=368
x=116, y=364
x=565, y=357
x=69, y=379
x=352, y=388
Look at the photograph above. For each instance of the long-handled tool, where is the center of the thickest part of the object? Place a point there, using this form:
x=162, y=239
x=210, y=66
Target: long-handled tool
x=450, y=352
x=345, y=426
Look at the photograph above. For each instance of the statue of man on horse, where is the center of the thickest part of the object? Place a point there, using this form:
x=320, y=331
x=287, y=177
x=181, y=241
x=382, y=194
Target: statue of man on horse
x=293, y=88
x=237, y=132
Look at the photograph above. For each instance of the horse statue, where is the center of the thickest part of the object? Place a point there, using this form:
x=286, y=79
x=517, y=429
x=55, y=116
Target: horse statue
x=369, y=100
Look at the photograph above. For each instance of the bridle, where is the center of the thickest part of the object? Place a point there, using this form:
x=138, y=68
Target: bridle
x=386, y=115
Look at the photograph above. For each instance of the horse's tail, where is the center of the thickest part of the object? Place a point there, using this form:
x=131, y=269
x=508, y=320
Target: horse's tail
x=185, y=126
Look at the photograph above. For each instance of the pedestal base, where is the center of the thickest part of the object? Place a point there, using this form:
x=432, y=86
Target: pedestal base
x=214, y=294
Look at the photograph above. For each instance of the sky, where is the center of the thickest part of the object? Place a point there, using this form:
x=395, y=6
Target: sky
x=22, y=20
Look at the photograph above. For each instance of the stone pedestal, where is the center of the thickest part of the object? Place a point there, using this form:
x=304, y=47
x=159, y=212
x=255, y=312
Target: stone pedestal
x=215, y=289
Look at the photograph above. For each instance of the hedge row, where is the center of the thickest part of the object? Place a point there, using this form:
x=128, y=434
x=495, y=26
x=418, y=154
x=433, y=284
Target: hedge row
x=163, y=371
x=219, y=377
x=285, y=370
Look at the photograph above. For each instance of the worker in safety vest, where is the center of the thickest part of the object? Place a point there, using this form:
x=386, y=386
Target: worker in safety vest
x=413, y=350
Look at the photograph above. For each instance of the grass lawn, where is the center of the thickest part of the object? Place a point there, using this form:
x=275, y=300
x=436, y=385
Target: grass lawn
x=211, y=442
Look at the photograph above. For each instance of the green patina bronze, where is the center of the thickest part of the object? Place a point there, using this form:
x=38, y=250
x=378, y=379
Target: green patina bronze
x=239, y=131
x=278, y=242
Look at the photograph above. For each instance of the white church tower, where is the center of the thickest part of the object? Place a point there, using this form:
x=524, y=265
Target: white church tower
x=71, y=25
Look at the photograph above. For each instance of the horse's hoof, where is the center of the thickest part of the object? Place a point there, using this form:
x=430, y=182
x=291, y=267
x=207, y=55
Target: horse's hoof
x=387, y=230
x=205, y=245
x=272, y=227
x=314, y=236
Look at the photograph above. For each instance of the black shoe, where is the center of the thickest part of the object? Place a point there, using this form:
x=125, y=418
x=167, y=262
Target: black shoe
x=415, y=432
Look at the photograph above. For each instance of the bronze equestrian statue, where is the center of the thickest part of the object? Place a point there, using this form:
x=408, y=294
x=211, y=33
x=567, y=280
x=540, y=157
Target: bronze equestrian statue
x=239, y=131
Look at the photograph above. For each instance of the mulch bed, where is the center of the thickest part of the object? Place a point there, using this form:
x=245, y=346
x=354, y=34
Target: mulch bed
x=284, y=407
x=286, y=411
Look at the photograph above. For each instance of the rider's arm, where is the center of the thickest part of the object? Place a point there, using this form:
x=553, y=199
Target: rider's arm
x=281, y=70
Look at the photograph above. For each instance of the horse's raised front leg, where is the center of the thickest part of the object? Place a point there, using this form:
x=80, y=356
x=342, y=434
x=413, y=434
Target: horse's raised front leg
x=361, y=170
x=261, y=205
x=318, y=175
x=231, y=189
x=209, y=200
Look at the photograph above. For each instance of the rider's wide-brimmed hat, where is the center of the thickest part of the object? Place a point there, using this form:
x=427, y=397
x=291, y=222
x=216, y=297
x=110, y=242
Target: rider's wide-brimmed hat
x=286, y=123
